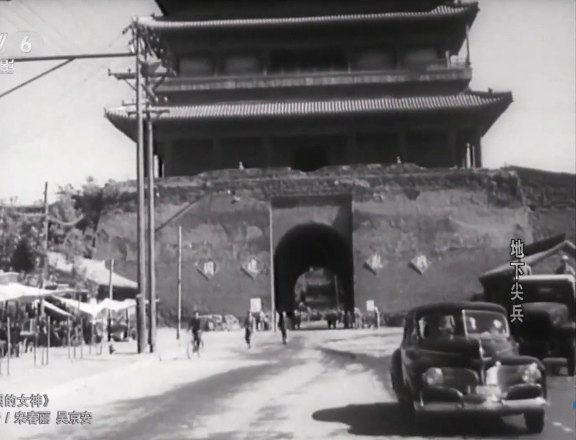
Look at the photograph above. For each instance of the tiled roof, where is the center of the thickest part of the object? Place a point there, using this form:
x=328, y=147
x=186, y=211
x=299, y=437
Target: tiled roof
x=442, y=11
x=272, y=109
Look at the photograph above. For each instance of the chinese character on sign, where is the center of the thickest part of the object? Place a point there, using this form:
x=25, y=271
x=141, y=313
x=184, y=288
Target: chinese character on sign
x=420, y=263
x=518, y=265
x=517, y=291
x=6, y=65
x=252, y=267
x=374, y=263
x=517, y=313
x=207, y=268
x=517, y=248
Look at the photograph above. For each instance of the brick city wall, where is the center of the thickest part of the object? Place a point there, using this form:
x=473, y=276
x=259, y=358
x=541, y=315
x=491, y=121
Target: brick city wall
x=461, y=220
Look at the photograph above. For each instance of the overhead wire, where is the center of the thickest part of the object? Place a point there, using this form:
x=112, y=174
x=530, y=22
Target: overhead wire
x=85, y=86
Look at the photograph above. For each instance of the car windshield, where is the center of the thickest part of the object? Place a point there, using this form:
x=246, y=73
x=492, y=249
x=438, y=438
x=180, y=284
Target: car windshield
x=468, y=323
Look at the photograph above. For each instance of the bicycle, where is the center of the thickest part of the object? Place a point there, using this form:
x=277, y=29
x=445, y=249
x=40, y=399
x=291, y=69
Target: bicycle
x=194, y=346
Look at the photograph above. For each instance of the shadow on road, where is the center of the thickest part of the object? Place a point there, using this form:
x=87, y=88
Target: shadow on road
x=387, y=419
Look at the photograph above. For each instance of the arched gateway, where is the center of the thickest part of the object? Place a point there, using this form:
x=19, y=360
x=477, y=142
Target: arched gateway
x=310, y=247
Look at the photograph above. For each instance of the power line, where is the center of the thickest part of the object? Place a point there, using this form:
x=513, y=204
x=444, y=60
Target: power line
x=34, y=78
x=68, y=58
x=75, y=56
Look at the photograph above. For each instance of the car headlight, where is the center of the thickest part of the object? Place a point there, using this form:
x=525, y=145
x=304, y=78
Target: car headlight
x=531, y=373
x=433, y=376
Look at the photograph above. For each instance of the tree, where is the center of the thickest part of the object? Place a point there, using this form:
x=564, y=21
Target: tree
x=23, y=257
x=14, y=227
x=76, y=215
x=72, y=224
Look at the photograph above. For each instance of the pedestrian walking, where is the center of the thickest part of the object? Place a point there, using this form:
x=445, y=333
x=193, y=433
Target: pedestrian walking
x=249, y=329
x=376, y=317
x=283, y=327
x=357, y=322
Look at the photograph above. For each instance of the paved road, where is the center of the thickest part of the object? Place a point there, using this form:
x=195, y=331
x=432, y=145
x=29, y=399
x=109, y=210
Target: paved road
x=309, y=389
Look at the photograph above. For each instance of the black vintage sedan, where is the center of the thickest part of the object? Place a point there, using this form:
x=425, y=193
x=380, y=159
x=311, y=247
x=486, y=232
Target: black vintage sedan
x=459, y=357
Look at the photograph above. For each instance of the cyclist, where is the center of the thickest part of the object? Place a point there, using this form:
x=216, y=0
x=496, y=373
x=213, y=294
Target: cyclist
x=195, y=325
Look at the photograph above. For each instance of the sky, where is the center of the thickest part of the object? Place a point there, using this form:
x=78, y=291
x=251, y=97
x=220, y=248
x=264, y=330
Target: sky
x=54, y=129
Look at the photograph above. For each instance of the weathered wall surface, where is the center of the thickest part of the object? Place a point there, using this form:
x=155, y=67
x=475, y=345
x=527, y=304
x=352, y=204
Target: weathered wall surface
x=462, y=220
x=460, y=230
x=213, y=228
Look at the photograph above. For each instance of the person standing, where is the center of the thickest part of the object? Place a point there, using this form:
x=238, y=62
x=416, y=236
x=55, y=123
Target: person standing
x=248, y=329
x=347, y=319
x=283, y=327
x=565, y=268
x=376, y=317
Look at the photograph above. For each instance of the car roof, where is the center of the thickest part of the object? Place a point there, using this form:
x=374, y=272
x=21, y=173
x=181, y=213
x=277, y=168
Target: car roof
x=454, y=306
x=547, y=277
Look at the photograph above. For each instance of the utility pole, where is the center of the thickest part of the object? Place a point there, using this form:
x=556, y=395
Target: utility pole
x=467, y=46
x=44, y=275
x=151, y=235
x=272, y=278
x=140, y=183
x=110, y=284
x=144, y=89
x=45, y=262
x=150, y=115
x=179, y=324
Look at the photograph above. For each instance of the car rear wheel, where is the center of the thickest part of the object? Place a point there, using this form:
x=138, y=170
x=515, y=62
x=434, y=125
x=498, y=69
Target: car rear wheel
x=534, y=421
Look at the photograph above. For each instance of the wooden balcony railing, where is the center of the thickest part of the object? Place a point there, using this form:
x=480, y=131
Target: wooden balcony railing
x=426, y=71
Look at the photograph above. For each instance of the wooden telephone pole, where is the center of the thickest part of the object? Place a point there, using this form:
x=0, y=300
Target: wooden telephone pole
x=151, y=226
x=179, y=324
x=45, y=231
x=140, y=183
x=145, y=180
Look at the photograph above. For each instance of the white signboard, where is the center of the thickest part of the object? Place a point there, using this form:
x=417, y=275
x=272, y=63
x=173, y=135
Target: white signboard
x=252, y=267
x=208, y=268
x=255, y=305
x=420, y=263
x=374, y=263
x=370, y=306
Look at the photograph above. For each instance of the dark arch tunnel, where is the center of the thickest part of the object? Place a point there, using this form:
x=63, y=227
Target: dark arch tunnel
x=311, y=245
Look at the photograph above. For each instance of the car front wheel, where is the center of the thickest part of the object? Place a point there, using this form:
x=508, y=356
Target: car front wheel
x=534, y=421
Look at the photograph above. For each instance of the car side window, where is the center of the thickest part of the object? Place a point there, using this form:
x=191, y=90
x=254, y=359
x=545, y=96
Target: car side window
x=413, y=334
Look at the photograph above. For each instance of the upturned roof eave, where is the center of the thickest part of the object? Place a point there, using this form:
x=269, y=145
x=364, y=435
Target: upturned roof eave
x=167, y=24
x=123, y=117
